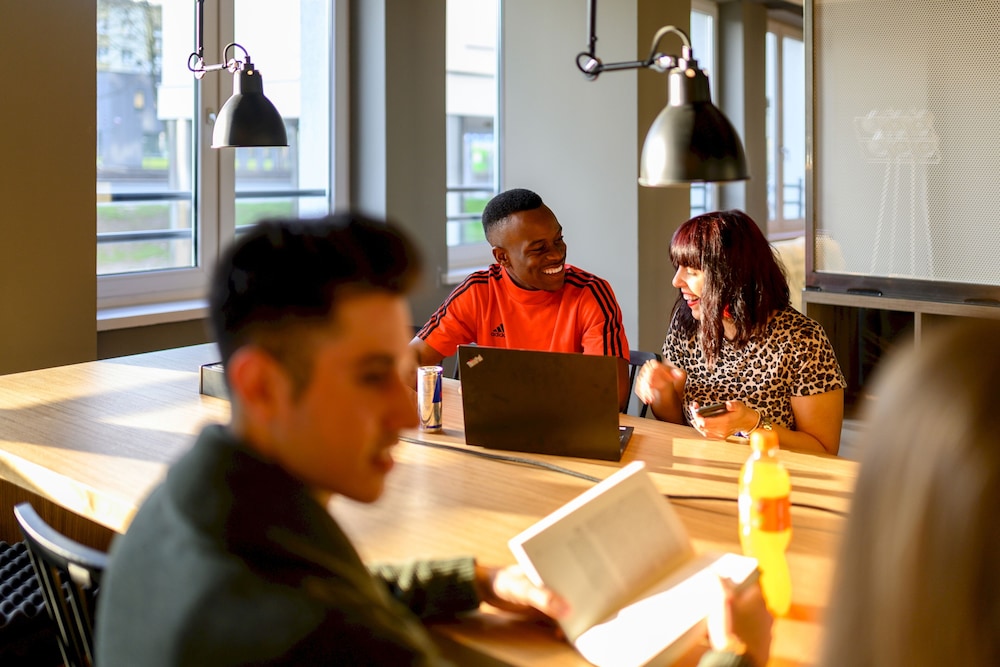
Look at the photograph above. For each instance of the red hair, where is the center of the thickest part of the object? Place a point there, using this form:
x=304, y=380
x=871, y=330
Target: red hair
x=742, y=274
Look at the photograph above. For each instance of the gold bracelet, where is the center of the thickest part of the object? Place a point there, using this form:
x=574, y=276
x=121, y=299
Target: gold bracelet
x=765, y=423
x=755, y=426
x=746, y=434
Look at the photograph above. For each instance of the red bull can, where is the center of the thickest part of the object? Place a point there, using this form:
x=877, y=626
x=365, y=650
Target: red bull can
x=429, y=397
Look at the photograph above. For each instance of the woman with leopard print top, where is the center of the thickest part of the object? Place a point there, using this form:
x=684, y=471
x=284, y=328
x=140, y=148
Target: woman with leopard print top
x=734, y=339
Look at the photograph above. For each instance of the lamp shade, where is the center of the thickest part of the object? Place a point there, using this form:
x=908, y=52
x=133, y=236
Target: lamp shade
x=691, y=141
x=248, y=118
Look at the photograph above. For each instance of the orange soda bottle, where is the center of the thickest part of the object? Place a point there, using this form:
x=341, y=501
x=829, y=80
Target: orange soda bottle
x=766, y=518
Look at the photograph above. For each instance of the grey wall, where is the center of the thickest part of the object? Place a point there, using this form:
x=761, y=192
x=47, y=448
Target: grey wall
x=398, y=126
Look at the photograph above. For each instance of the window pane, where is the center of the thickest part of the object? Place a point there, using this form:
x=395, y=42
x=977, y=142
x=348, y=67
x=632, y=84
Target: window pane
x=144, y=202
x=471, y=107
x=793, y=119
x=785, y=128
x=771, y=119
x=703, y=47
x=292, y=181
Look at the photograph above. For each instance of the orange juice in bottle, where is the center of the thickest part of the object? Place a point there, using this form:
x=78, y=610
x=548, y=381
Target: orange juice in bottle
x=765, y=518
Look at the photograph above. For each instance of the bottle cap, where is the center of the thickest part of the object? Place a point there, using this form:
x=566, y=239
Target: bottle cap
x=762, y=440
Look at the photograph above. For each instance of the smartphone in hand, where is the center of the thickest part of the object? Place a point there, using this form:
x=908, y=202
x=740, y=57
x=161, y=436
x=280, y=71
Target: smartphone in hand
x=712, y=410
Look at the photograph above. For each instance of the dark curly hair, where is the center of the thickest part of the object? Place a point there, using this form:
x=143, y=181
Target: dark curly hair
x=505, y=204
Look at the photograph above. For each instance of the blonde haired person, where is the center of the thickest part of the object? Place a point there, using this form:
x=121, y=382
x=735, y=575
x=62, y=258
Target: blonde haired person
x=919, y=571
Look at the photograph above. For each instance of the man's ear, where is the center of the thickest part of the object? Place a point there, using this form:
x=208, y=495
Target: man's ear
x=259, y=384
x=500, y=255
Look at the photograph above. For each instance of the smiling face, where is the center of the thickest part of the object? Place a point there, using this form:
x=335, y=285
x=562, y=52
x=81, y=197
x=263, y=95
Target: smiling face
x=691, y=283
x=530, y=245
x=335, y=433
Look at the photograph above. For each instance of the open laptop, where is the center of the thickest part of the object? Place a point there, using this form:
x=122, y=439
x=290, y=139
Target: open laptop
x=542, y=402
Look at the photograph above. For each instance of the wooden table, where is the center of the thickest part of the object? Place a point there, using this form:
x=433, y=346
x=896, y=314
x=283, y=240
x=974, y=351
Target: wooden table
x=94, y=438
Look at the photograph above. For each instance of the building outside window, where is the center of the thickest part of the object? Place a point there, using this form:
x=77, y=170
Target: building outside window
x=166, y=202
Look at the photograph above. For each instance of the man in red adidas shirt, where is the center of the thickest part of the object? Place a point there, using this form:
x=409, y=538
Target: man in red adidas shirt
x=530, y=299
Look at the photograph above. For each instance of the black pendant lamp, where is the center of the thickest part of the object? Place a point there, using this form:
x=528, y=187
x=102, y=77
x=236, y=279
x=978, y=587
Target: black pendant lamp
x=691, y=141
x=247, y=118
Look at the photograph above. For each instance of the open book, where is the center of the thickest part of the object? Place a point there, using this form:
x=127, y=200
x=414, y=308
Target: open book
x=621, y=557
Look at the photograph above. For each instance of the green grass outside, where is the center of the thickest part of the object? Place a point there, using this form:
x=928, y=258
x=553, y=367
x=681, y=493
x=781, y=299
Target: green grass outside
x=118, y=217
x=249, y=213
x=475, y=204
x=472, y=230
x=151, y=255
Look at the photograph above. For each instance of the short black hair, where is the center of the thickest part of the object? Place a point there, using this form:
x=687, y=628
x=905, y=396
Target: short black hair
x=287, y=273
x=507, y=203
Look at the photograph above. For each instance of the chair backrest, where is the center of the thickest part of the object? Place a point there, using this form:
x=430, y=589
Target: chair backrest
x=636, y=358
x=69, y=574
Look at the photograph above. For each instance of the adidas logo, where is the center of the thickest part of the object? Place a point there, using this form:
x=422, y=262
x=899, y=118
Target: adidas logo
x=498, y=332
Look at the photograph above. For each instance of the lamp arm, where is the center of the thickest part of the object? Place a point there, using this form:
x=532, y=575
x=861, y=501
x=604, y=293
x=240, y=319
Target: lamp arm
x=591, y=66
x=232, y=64
x=196, y=61
x=197, y=64
x=655, y=56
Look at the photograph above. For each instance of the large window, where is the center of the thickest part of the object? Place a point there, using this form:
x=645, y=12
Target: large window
x=166, y=201
x=144, y=154
x=786, y=131
x=472, y=136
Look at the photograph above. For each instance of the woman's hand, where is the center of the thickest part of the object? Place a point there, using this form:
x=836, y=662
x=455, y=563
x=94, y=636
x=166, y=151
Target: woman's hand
x=738, y=418
x=660, y=386
x=508, y=588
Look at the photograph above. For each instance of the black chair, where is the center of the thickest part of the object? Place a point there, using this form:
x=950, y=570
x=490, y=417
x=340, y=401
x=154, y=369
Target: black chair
x=636, y=358
x=456, y=371
x=27, y=634
x=69, y=574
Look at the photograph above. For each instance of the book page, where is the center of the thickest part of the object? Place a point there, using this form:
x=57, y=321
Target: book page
x=666, y=619
x=600, y=550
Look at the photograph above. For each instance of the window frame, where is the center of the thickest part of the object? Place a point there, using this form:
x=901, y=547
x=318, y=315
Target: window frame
x=465, y=258
x=710, y=190
x=779, y=227
x=122, y=299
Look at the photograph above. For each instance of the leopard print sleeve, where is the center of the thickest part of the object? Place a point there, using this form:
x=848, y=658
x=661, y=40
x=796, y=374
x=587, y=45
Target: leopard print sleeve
x=817, y=368
x=793, y=357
